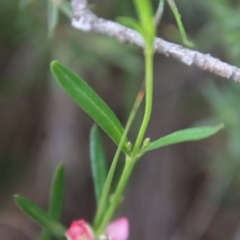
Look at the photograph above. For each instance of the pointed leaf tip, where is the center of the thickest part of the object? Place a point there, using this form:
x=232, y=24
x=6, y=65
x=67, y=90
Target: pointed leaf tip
x=89, y=101
x=40, y=217
x=53, y=64
x=185, y=135
x=57, y=193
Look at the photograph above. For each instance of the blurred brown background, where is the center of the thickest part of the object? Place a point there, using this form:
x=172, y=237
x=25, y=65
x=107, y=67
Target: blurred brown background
x=188, y=191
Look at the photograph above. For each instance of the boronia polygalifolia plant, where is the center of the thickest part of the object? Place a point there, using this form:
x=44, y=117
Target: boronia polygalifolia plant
x=99, y=111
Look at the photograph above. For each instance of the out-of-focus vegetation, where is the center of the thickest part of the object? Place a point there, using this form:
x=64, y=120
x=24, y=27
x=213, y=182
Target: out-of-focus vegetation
x=224, y=101
x=196, y=196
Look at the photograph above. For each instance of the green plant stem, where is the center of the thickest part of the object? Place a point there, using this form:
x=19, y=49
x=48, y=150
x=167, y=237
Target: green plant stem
x=107, y=186
x=129, y=164
x=104, y=214
x=179, y=23
x=131, y=160
x=148, y=103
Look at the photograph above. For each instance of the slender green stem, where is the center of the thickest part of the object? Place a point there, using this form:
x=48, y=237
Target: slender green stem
x=148, y=103
x=131, y=160
x=129, y=164
x=159, y=12
x=105, y=211
x=107, y=186
x=179, y=23
x=104, y=197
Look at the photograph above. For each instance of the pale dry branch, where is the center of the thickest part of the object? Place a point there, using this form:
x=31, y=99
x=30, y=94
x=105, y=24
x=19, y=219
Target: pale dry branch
x=85, y=20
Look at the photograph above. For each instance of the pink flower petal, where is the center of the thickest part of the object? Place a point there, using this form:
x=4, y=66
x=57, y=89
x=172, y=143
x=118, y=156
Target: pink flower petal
x=79, y=230
x=118, y=229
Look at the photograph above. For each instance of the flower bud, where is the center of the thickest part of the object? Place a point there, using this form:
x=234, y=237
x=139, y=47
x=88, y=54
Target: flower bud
x=79, y=230
x=146, y=142
x=129, y=145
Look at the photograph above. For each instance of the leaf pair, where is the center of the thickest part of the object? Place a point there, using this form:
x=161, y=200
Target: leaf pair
x=48, y=221
x=95, y=107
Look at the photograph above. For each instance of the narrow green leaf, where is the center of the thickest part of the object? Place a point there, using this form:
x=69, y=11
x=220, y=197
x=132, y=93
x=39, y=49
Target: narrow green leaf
x=98, y=161
x=52, y=17
x=41, y=217
x=185, y=135
x=89, y=101
x=56, y=199
x=57, y=190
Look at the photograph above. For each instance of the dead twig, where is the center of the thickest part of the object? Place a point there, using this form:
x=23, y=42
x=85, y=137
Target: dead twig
x=85, y=20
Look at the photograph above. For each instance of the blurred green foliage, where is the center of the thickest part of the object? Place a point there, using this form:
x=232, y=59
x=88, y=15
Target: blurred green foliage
x=223, y=28
x=223, y=33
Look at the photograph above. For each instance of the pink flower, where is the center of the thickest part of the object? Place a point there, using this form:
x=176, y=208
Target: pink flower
x=118, y=229
x=79, y=230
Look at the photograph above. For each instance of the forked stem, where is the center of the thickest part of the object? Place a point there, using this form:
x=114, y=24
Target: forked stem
x=131, y=160
x=105, y=194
